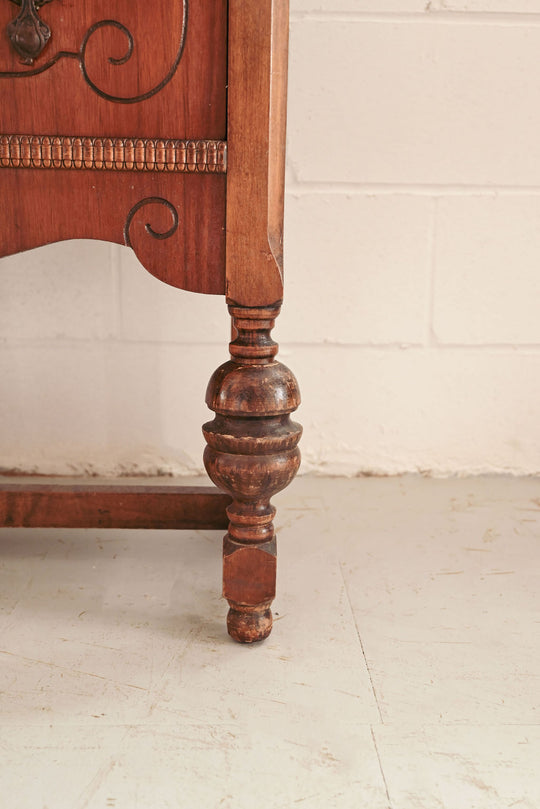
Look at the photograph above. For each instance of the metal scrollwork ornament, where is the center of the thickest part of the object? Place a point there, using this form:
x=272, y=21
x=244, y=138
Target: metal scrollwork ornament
x=27, y=32
x=29, y=36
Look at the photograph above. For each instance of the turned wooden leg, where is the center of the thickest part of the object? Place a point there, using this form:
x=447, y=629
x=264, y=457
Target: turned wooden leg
x=252, y=454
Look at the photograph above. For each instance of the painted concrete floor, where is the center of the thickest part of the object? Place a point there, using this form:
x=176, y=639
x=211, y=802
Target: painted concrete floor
x=403, y=670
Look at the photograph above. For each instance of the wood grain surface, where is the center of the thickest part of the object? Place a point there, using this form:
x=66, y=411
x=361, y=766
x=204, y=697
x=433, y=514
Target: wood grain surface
x=258, y=59
x=178, y=65
x=60, y=101
x=91, y=505
x=122, y=69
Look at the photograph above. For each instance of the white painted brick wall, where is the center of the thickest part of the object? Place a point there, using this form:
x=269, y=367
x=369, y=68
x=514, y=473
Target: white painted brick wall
x=413, y=269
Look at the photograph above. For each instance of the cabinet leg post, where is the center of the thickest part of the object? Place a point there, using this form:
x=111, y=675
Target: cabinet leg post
x=251, y=454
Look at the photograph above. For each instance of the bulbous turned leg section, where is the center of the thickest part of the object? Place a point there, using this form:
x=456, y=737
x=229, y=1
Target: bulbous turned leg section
x=252, y=454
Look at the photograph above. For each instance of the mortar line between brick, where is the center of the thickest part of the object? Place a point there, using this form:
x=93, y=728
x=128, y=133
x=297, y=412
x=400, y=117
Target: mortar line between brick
x=431, y=340
x=508, y=19
x=54, y=343
x=502, y=348
x=306, y=187
x=114, y=258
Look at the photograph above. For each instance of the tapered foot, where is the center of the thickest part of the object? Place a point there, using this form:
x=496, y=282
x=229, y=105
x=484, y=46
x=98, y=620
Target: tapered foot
x=252, y=454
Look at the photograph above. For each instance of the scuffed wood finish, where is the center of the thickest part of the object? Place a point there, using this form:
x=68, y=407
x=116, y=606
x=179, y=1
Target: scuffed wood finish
x=252, y=454
x=85, y=83
x=258, y=47
x=78, y=505
x=252, y=448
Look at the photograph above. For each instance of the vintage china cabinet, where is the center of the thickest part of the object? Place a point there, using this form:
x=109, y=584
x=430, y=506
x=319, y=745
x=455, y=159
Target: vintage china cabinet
x=161, y=125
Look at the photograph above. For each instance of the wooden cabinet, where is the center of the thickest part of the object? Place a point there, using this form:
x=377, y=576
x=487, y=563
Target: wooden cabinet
x=161, y=125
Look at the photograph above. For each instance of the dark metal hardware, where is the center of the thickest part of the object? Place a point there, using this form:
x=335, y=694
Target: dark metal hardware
x=27, y=32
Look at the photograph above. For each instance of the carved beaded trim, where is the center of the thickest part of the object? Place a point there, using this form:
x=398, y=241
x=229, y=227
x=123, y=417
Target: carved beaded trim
x=113, y=154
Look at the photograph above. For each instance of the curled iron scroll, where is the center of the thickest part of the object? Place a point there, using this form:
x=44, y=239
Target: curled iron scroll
x=149, y=229
x=80, y=55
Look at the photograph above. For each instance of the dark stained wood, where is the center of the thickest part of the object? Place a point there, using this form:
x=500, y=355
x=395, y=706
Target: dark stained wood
x=258, y=41
x=208, y=232
x=192, y=258
x=252, y=454
x=78, y=505
x=61, y=101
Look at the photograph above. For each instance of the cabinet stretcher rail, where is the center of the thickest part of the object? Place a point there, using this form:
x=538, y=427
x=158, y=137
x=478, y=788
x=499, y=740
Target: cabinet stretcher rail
x=84, y=505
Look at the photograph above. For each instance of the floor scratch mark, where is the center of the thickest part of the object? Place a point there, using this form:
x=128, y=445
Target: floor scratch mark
x=70, y=670
x=91, y=788
x=361, y=644
x=381, y=768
